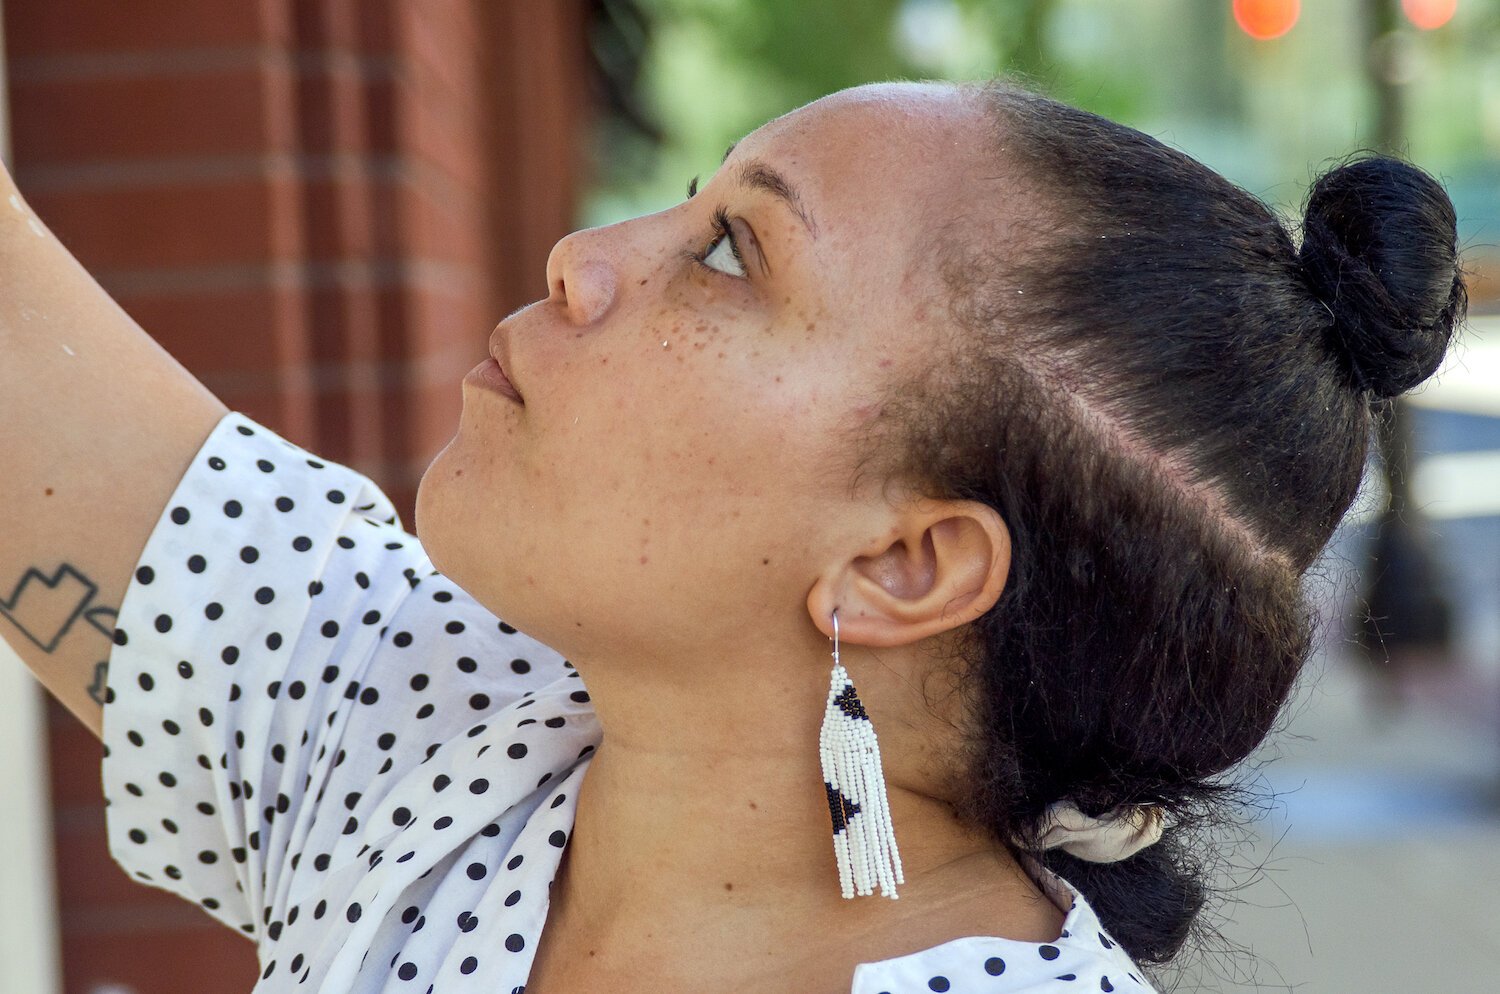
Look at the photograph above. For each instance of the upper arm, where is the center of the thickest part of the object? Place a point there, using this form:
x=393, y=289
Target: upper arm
x=97, y=425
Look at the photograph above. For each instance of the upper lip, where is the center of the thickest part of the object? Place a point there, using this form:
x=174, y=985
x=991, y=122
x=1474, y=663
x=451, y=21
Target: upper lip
x=498, y=351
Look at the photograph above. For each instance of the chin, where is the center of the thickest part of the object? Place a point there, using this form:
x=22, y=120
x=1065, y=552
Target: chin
x=430, y=514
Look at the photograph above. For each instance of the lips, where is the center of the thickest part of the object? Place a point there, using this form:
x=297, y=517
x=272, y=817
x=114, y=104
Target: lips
x=497, y=352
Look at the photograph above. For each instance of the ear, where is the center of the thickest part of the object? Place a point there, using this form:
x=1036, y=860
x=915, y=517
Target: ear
x=940, y=566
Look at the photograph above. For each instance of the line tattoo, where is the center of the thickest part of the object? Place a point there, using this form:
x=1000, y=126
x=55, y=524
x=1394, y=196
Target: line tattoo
x=45, y=608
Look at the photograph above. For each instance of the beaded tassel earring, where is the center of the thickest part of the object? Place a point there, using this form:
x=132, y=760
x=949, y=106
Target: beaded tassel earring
x=864, y=840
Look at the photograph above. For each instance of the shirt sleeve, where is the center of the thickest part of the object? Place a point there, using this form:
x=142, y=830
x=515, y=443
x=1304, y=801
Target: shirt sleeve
x=275, y=670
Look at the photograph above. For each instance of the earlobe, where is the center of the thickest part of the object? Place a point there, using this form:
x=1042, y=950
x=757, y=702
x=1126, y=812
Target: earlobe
x=944, y=565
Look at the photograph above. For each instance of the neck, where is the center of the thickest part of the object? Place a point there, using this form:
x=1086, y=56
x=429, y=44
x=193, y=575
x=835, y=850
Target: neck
x=702, y=818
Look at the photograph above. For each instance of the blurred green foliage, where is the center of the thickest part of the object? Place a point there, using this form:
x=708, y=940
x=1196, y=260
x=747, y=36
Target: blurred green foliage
x=1266, y=114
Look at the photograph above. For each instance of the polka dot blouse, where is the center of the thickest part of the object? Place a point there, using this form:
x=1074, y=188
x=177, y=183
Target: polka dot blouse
x=329, y=746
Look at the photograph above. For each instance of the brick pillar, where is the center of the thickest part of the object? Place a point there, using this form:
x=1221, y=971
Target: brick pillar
x=321, y=208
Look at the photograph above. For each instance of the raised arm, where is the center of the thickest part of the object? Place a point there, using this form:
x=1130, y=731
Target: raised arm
x=97, y=425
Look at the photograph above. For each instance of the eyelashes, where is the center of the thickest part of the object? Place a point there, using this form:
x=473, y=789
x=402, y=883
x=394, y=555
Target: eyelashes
x=722, y=232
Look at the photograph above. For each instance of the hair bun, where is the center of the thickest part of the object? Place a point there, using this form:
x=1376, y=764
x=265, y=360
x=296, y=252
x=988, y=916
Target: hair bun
x=1380, y=250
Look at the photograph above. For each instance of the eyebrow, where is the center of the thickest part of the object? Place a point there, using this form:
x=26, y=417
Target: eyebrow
x=759, y=175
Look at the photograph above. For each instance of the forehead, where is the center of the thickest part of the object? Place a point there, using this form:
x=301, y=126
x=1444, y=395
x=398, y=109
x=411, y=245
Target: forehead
x=888, y=160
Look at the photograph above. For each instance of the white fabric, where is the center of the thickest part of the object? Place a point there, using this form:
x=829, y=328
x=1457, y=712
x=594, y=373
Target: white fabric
x=334, y=749
x=1105, y=839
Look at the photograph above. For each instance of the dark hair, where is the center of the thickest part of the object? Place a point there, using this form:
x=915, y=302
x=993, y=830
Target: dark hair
x=1169, y=404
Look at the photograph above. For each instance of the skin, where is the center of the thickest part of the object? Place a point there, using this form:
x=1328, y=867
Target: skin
x=678, y=521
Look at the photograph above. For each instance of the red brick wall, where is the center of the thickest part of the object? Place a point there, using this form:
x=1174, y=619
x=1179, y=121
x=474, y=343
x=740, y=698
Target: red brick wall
x=321, y=208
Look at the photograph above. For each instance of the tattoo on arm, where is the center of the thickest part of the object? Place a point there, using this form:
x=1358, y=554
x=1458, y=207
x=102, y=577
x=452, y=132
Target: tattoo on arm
x=45, y=607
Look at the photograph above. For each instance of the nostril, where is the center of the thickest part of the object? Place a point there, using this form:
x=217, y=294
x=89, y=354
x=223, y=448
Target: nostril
x=588, y=291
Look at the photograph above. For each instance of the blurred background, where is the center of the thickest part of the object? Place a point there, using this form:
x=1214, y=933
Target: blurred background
x=323, y=207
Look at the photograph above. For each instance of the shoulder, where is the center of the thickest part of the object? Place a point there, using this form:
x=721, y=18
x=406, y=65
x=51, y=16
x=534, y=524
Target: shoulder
x=1083, y=957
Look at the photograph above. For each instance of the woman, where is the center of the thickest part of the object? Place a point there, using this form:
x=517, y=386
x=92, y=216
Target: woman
x=1046, y=418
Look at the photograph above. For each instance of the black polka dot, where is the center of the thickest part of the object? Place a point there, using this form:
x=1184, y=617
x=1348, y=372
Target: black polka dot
x=354, y=912
x=479, y=785
x=180, y=515
x=215, y=463
x=264, y=465
x=265, y=595
x=302, y=543
x=330, y=629
x=164, y=623
x=335, y=496
x=284, y=504
x=249, y=554
x=558, y=838
x=515, y=942
x=520, y=666
x=197, y=564
x=516, y=750
x=407, y=971
x=469, y=965
x=213, y=610
x=479, y=702
x=233, y=509
x=477, y=871
x=994, y=966
x=467, y=664
x=145, y=575
x=1048, y=952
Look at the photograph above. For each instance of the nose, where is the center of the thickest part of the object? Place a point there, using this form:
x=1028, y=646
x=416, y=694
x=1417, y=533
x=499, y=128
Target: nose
x=580, y=278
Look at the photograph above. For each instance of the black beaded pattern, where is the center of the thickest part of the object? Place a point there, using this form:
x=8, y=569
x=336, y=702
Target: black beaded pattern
x=839, y=807
x=848, y=702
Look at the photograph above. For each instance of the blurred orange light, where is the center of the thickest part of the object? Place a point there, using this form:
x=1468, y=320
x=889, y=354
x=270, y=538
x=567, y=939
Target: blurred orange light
x=1263, y=19
x=1429, y=14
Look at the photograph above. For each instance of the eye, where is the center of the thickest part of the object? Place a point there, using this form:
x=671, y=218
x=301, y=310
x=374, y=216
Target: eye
x=723, y=253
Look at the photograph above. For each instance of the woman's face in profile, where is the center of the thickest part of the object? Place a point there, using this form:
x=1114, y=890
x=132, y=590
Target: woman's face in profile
x=680, y=466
